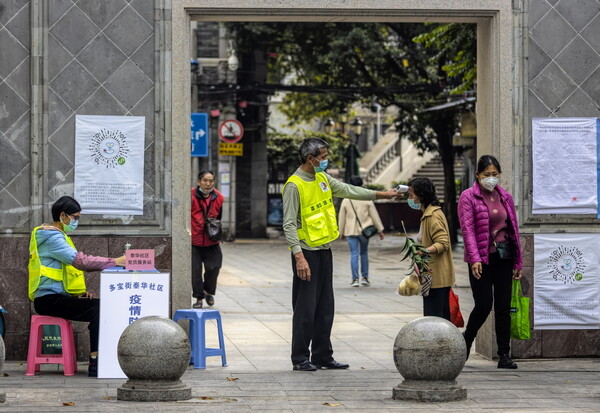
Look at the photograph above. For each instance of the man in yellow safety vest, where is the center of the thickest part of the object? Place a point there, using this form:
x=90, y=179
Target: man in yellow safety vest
x=310, y=224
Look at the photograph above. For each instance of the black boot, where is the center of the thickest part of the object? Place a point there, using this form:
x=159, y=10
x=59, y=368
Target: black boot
x=505, y=362
x=469, y=343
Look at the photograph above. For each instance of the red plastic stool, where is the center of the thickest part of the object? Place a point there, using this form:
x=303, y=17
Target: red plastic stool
x=67, y=358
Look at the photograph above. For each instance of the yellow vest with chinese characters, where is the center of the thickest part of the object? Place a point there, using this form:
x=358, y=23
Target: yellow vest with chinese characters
x=73, y=279
x=317, y=213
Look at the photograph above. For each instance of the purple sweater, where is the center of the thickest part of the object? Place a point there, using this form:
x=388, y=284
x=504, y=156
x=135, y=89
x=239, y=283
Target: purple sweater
x=474, y=218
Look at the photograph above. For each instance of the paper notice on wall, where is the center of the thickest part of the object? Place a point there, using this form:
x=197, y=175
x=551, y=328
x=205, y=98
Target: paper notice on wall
x=566, y=281
x=565, y=166
x=109, y=164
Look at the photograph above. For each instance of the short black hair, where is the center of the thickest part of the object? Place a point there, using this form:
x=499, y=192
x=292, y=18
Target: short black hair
x=204, y=172
x=65, y=204
x=425, y=190
x=311, y=146
x=356, y=181
x=487, y=160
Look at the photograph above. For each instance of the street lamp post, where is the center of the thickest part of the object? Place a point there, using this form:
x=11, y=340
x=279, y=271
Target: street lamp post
x=351, y=152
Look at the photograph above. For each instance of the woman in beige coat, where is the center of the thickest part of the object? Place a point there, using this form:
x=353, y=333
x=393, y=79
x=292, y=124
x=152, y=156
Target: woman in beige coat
x=435, y=237
x=351, y=212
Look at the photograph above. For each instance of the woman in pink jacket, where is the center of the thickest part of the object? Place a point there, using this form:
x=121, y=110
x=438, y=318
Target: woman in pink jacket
x=488, y=220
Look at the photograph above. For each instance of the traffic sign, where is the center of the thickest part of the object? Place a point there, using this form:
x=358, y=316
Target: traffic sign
x=231, y=149
x=231, y=131
x=199, y=134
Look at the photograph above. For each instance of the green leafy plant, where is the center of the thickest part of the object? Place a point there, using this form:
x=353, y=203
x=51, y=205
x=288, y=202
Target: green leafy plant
x=418, y=255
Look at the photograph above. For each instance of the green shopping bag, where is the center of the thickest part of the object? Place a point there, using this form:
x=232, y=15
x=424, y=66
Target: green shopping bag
x=519, y=313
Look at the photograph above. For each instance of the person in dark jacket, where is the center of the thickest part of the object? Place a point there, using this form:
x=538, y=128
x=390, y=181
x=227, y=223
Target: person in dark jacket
x=488, y=220
x=206, y=201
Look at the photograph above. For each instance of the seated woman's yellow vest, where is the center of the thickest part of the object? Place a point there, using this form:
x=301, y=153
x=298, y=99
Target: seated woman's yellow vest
x=73, y=279
x=317, y=213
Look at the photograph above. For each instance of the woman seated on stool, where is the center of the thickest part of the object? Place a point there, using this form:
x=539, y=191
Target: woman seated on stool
x=56, y=280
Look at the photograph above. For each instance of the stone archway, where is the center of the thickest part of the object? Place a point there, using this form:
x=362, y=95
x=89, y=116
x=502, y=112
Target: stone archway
x=494, y=60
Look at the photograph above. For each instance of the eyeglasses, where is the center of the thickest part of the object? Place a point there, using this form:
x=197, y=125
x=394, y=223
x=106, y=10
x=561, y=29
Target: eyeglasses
x=72, y=217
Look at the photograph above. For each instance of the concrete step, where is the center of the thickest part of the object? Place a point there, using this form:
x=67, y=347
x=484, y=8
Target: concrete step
x=434, y=170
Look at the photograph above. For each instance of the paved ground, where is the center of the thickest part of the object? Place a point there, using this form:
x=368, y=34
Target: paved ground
x=254, y=298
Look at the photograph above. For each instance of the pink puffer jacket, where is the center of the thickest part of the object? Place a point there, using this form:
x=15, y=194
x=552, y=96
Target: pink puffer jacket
x=474, y=219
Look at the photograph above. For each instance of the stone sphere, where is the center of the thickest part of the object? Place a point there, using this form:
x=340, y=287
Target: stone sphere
x=430, y=348
x=154, y=348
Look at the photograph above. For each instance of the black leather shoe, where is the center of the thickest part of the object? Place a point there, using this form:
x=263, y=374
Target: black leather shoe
x=305, y=366
x=332, y=365
x=505, y=362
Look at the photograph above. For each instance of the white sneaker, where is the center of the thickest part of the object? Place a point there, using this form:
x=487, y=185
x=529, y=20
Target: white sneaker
x=364, y=282
x=354, y=283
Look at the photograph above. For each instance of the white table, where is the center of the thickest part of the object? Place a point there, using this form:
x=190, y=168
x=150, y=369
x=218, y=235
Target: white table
x=126, y=296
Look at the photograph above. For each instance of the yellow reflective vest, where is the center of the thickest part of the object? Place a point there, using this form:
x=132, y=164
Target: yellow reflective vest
x=317, y=213
x=73, y=279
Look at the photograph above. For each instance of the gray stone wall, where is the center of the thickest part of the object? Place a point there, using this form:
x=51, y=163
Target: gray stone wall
x=62, y=58
x=100, y=58
x=15, y=112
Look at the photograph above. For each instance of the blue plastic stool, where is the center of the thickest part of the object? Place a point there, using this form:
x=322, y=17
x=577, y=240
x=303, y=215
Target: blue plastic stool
x=198, y=319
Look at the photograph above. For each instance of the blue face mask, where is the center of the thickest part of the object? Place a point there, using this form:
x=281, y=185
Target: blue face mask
x=322, y=166
x=413, y=204
x=72, y=226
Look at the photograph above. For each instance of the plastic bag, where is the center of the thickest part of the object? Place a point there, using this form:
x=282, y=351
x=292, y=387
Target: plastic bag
x=519, y=313
x=456, y=317
x=410, y=285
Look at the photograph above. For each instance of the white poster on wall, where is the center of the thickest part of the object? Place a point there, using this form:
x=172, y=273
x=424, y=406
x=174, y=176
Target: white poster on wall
x=566, y=281
x=564, y=166
x=126, y=296
x=109, y=164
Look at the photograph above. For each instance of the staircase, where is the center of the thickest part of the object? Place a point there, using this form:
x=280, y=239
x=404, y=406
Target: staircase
x=434, y=170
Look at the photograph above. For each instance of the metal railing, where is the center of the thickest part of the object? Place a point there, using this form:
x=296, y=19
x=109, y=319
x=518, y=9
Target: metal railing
x=385, y=158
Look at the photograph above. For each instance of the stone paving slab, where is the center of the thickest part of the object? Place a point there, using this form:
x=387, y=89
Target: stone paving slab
x=254, y=297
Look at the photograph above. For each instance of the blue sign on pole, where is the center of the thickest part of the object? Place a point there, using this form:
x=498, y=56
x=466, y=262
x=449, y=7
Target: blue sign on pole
x=199, y=134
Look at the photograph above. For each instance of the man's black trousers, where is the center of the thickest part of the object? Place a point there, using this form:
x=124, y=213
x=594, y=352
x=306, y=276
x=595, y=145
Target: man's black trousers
x=212, y=259
x=314, y=308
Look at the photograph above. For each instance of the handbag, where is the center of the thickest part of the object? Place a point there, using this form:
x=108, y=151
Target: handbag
x=369, y=231
x=519, y=313
x=212, y=226
x=456, y=317
x=504, y=250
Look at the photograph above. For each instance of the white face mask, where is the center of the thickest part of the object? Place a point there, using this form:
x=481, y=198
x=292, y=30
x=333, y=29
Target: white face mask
x=489, y=183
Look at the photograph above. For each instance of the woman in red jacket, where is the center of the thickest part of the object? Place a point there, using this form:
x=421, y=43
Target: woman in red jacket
x=206, y=201
x=488, y=220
